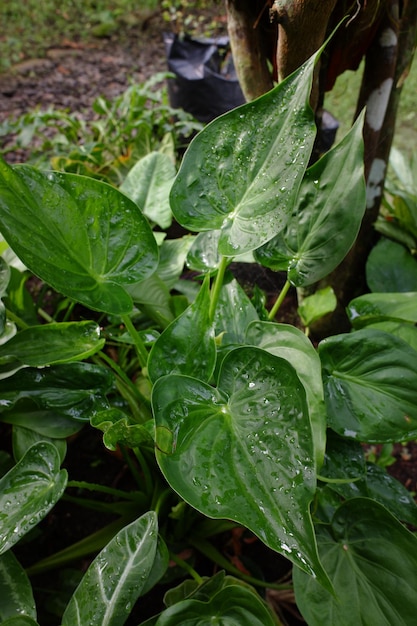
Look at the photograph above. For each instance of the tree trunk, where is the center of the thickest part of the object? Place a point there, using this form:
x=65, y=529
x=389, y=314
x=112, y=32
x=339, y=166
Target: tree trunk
x=249, y=43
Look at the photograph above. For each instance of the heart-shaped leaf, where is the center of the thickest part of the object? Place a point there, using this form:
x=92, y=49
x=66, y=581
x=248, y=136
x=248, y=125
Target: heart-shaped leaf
x=29, y=491
x=243, y=451
x=291, y=344
x=187, y=346
x=15, y=589
x=241, y=174
x=116, y=577
x=87, y=239
x=148, y=184
x=370, y=382
x=326, y=220
x=372, y=562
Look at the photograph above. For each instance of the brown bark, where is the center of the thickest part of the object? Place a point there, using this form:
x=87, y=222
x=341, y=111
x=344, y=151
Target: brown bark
x=250, y=46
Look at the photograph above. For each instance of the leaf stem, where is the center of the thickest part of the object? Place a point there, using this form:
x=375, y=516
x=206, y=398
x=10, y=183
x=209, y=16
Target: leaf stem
x=279, y=300
x=214, y=555
x=187, y=567
x=139, y=345
x=218, y=282
x=119, y=493
x=17, y=320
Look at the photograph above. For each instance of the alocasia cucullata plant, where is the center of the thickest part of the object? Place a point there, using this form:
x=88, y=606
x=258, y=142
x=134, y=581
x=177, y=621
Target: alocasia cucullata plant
x=245, y=418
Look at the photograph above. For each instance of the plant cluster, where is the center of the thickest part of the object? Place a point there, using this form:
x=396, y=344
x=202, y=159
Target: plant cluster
x=111, y=140
x=228, y=417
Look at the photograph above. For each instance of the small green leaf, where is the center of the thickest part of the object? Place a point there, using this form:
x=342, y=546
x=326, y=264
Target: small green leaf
x=372, y=562
x=24, y=438
x=87, y=239
x=29, y=491
x=327, y=216
x=314, y=307
x=116, y=577
x=243, y=451
x=187, y=346
x=52, y=343
x=148, y=184
x=241, y=174
x=118, y=428
x=370, y=382
x=15, y=589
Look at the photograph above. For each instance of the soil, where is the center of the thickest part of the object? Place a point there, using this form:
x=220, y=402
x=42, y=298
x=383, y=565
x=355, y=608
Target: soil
x=71, y=77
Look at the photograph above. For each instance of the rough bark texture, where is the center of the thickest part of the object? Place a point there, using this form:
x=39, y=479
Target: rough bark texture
x=249, y=43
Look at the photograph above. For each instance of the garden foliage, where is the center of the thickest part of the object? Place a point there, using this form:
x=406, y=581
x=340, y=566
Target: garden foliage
x=229, y=414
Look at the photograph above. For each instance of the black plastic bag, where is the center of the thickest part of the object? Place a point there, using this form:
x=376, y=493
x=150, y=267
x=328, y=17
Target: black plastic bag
x=205, y=82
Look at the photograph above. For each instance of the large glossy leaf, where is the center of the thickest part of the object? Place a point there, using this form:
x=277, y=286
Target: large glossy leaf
x=370, y=382
x=148, y=184
x=232, y=606
x=28, y=492
x=291, y=344
x=116, y=577
x=15, y=589
x=243, y=451
x=327, y=217
x=242, y=173
x=80, y=235
x=72, y=390
x=372, y=561
x=187, y=346
x=52, y=343
x=391, y=267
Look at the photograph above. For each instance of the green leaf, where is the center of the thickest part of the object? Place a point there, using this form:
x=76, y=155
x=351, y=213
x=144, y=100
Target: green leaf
x=87, y=239
x=241, y=174
x=187, y=346
x=29, y=491
x=203, y=255
x=370, y=382
x=148, y=184
x=234, y=312
x=5, y=274
x=15, y=589
x=291, y=344
x=24, y=438
x=232, y=606
x=326, y=220
x=118, y=428
x=243, y=451
x=314, y=307
x=21, y=620
x=52, y=343
x=391, y=267
x=378, y=307
x=372, y=561
x=116, y=577
x=72, y=390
